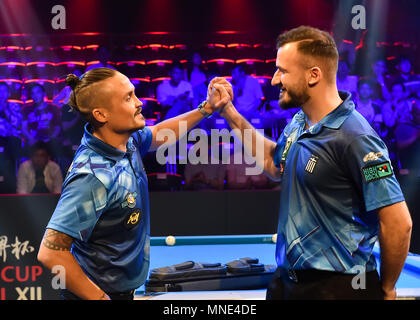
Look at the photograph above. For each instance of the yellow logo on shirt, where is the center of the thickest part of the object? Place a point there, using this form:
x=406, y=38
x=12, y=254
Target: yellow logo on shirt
x=134, y=218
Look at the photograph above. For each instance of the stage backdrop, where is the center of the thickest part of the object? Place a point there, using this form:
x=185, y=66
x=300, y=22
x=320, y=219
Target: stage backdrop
x=22, y=223
x=23, y=219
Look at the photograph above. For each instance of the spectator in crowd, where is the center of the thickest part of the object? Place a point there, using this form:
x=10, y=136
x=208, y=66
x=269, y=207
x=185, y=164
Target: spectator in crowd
x=404, y=73
x=175, y=95
x=210, y=176
x=71, y=122
x=247, y=92
x=200, y=90
x=345, y=44
x=8, y=161
x=41, y=120
x=394, y=112
x=104, y=55
x=10, y=114
x=72, y=126
x=200, y=94
x=237, y=179
x=39, y=174
x=397, y=109
x=196, y=74
x=10, y=140
x=407, y=135
x=345, y=81
x=381, y=81
x=368, y=108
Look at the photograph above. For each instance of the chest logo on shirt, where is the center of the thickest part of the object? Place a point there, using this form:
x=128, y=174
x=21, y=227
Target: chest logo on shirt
x=310, y=165
x=284, y=154
x=133, y=219
x=130, y=200
x=377, y=171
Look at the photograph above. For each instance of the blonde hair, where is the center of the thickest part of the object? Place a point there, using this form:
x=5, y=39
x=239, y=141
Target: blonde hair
x=82, y=97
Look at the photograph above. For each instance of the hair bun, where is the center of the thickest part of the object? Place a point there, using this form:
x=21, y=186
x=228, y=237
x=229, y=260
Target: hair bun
x=72, y=80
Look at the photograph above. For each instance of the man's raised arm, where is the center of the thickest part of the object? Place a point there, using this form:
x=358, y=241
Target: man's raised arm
x=171, y=130
x=240, y=125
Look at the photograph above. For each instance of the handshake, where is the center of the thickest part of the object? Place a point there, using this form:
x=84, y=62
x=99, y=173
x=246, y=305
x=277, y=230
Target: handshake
x=219, y=96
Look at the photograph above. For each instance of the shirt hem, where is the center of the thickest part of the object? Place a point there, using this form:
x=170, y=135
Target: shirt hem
x=64, y=230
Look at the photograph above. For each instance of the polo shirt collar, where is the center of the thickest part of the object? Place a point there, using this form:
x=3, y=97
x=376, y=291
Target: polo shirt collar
x=104, y=148
x=335, y=118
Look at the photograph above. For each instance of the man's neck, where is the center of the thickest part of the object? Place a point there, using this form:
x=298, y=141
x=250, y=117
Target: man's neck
x=321, y=104
x=117, y=140
x=174, y=84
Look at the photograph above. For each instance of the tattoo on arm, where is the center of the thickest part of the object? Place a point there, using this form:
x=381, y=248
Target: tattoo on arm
x=56, y=240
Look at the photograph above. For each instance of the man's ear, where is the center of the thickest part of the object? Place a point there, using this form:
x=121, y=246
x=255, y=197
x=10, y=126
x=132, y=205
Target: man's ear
x=100, y=114
x=314, y=76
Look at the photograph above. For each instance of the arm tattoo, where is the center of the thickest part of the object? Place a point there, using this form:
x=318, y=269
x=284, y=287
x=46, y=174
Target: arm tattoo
x=55, y=240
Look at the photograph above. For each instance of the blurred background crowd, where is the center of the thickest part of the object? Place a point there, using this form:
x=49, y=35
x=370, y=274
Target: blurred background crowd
x=39, y=132
x=170, y=50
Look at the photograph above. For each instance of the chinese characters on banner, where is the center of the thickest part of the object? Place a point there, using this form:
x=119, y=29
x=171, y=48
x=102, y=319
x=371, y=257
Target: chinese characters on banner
x=15, y=273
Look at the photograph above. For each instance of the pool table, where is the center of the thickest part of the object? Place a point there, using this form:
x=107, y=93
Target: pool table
x=227, y=248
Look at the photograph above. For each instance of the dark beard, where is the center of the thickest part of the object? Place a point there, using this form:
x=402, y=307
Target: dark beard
x=295, y=101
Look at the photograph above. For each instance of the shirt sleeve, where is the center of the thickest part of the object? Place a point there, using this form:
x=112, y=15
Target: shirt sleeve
x=23, y=179
x=81, y=204
x=370, y=168
x=57, y=178
x=143, y=140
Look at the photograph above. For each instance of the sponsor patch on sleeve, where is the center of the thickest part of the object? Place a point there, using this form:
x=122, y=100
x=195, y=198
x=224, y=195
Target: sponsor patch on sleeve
x=377, y=171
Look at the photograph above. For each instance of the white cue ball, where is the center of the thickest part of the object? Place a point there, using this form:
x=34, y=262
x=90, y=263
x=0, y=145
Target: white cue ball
x=170, y=240
x=274, y=238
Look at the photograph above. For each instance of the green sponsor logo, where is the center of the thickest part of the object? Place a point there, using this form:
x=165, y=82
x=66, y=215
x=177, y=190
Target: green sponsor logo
x=377, y=171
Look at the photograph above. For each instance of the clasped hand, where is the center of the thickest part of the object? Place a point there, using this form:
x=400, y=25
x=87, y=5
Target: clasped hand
x=219, y=94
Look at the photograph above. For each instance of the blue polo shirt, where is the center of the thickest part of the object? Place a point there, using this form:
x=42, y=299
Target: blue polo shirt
x=335, y=175
x=104, y=206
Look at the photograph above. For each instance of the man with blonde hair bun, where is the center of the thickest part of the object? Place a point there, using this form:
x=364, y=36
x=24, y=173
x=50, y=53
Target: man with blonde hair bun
x=100, y=229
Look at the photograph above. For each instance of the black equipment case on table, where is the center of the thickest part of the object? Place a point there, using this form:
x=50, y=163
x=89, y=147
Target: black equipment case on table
x=242, y=274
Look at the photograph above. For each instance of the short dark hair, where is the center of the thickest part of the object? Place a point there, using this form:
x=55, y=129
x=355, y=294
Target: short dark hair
x=40, y=145
x=363, y=81
x=2, y=83
x=399, y=83
x=402, y=58
x=240, y=67
x=175, y=65
x=35, y=84
x=313, y=42
x=80, y=97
